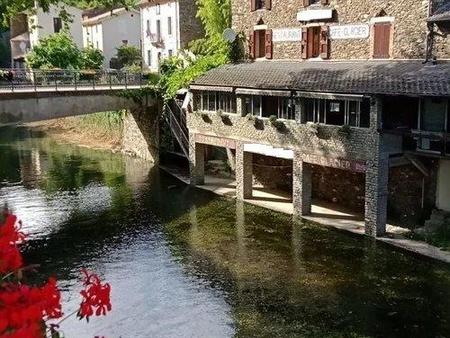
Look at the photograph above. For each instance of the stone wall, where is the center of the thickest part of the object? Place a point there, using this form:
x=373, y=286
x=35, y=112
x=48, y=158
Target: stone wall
x=325, y=141
x=141, y=131
x=409, y=37
x=272, y=172
x=342, y=187
x=405, y=194
x=190, y=26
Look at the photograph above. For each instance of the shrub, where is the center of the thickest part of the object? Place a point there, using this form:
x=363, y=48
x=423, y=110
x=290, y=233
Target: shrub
x=92, y=58
x=128, y=56
x=57, y=51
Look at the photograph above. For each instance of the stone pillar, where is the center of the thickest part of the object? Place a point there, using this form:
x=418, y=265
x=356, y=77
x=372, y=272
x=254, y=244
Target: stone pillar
x=197, y=161
x=302, y=186
x=244, y=173
x=377, y=176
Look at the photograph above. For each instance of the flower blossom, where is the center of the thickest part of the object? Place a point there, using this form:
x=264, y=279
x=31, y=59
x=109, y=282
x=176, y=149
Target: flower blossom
x=96, y=297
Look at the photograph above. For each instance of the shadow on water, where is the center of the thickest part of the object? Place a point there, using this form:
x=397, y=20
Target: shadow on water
x=187, y=263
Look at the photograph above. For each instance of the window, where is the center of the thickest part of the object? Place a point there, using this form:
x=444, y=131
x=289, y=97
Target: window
x=433, y=115
x=260, y=44
x=170, y=52
x=158, y=30
x=148, y=31
x=337, y=112
x=149, y=58
x=266, y=106
x=169, y=25
x=382, y=40
x=260, y=4
x=215, y=101
x=315, y=42
x=57, y=25
x=158, y=9
x=307, y=3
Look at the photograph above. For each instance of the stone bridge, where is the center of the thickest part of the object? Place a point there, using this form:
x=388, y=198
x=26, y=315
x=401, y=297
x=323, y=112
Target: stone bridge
x=35, y=95
x=30, y=96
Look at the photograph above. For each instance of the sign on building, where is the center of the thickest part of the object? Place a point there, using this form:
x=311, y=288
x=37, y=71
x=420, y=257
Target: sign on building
x=338, y=163
x=341, y=32
x=287, y=34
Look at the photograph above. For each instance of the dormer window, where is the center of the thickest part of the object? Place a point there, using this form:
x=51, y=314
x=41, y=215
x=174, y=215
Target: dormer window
x=260, y=4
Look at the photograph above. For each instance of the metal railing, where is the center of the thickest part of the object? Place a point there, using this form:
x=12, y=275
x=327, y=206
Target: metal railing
x=35, y=80
x=432, y=142
x=425, y=142
x=177, y=129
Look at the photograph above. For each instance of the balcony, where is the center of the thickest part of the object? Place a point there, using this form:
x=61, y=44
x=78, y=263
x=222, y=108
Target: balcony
x=431, y=142
x=155, y=39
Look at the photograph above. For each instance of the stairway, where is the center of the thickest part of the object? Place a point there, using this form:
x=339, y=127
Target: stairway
x=176, y=119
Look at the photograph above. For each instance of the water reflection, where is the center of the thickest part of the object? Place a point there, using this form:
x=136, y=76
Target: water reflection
x=184, y=263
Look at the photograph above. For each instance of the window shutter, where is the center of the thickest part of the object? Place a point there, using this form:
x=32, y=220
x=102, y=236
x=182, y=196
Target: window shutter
x=269, y=4
x=324, y=43
x=269, y=44
x=253, y=5
x=324, y=2
x=251, y=45
x=304, y=43
x=306, y=3
x=382, y=36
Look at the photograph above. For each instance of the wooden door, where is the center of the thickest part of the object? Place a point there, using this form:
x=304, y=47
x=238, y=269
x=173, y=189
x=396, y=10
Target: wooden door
x=382, y=40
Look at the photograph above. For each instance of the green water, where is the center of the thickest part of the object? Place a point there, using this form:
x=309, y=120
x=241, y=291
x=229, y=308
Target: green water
x=185, y=263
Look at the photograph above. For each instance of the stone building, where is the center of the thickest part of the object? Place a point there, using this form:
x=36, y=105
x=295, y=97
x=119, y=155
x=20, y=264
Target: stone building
x=167, y=26
x=336, y=29
x=353, y=109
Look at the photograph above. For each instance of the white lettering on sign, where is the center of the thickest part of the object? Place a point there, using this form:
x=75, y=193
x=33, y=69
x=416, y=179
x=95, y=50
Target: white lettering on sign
x=340, y=32
x=339, y=163
x=287, y=34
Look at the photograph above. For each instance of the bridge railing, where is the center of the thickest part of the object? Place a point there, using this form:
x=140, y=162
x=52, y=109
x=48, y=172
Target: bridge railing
x=24, y=79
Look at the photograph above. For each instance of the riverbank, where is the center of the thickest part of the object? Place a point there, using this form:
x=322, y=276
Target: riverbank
x=101, y=131
x=322, y=214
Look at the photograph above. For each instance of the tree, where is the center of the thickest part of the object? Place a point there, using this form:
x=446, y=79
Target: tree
x=55, y=51
x=128, y=56
x=92, y=58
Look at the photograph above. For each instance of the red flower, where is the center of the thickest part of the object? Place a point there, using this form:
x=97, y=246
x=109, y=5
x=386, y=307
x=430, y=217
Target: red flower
x=96, y=297
x=10, y=237
x=23, y=308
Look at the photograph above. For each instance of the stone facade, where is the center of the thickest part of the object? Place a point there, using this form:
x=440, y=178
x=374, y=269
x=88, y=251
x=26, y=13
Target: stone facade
x=141, y=131
x=190, y=26
x=408, y=19
x=363, y=150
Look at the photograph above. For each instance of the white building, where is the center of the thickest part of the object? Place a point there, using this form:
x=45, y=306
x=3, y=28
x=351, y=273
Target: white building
x=107, y=30
x=28, y=28
x=167, y=27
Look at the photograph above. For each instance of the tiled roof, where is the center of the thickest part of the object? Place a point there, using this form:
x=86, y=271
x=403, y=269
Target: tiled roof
x=356, y=77
x=441, y=14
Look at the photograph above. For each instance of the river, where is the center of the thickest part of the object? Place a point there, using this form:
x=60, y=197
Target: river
x=183, y=262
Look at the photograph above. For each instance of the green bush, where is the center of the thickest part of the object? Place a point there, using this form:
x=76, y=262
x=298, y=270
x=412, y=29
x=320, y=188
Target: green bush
x=57, y=51
x=128, y=56
x=92, y=58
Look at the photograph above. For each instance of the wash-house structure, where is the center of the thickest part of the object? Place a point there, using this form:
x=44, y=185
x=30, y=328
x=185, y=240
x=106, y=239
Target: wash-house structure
x=342, y=101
